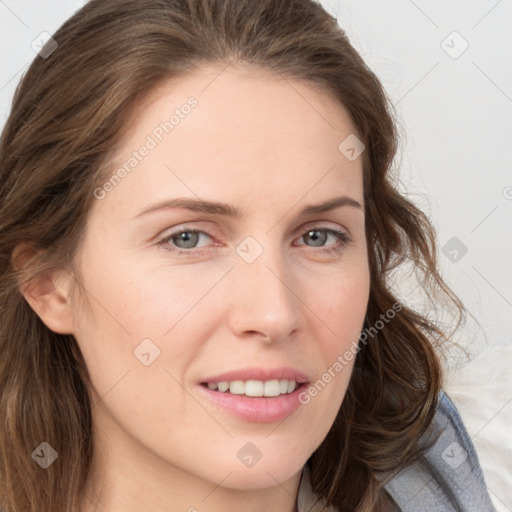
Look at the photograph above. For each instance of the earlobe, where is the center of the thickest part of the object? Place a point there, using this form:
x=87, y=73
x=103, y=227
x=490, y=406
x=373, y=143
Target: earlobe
x=47, y=294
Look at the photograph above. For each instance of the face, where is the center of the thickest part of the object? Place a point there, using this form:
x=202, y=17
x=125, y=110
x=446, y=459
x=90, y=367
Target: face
x=257, y=291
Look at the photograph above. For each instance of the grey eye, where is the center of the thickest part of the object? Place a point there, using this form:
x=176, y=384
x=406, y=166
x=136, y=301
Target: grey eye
x=186, y=239
x=317, y=236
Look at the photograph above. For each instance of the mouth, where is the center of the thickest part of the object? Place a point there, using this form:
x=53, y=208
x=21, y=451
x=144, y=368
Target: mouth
x=256, y=395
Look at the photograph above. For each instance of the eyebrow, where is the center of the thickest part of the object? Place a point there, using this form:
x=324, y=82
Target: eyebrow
x=216, y=208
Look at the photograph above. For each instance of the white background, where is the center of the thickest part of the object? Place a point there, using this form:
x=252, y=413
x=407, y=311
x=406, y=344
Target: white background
x=455, y=112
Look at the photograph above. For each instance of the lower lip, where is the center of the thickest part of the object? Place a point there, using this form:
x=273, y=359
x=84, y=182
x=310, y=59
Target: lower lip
x=256, y=409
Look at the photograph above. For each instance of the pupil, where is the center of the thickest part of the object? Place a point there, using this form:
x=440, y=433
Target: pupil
x=189, y=238
x=317, y=236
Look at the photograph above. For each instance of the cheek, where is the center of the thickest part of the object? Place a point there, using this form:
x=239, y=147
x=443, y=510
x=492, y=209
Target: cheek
x=144, y=295
x=341, y=306
x=137, y=346
x=339, y=300
x=134, y=311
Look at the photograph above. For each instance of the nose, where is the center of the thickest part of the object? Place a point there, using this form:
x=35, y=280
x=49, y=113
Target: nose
x=262, y=300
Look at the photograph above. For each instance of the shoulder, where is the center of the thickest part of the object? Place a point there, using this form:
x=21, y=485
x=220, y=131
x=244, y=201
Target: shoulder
x=448, y=477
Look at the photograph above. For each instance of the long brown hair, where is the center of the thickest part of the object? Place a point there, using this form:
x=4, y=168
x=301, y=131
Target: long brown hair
x=66, y=119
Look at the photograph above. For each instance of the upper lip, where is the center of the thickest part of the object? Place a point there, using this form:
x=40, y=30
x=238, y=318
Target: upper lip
x=262, y=374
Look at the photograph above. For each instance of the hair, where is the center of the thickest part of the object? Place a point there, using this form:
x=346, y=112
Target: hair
x=66, y=120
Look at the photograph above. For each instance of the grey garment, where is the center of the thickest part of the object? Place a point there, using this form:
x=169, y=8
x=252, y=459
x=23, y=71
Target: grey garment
x=447, y=479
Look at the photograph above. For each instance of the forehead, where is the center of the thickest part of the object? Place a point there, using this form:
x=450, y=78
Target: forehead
x=241, y=91
x=248, y=132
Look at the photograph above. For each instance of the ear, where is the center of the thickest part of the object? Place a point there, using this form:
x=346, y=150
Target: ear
x=47, y=294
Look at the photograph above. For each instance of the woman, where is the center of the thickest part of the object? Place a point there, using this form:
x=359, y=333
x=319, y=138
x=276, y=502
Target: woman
x=198, y=232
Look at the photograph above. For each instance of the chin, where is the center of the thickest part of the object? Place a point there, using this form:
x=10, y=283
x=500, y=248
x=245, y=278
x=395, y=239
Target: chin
x=263, y=475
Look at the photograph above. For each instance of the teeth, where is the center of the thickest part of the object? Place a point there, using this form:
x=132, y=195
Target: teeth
x=236, y=387
x=271, y=388
x=256, y=388
x=253, y=388
x=221, y=386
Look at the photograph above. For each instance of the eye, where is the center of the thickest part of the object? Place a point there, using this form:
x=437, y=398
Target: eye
x=184, y=239
x=319, y=236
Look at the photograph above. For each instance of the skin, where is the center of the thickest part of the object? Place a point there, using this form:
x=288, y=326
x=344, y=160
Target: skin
x=268, y=147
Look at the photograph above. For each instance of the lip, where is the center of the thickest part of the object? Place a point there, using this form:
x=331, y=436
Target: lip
x=256, y=409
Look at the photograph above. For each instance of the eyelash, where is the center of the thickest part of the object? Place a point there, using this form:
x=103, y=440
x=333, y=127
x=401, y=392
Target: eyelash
x=342, y=237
